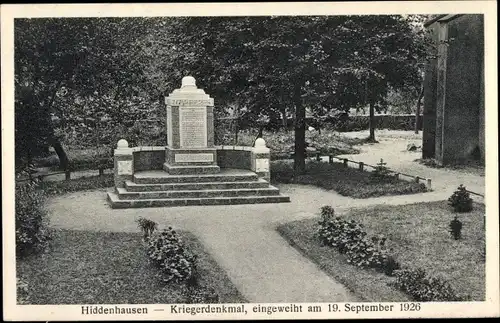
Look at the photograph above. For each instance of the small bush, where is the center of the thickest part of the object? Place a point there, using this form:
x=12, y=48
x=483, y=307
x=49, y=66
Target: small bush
x=381, y=173
x=167, y=252
x=77, y=184
x=423, y=288
x=147, y=226
x=390, y=265
x=32, y=231
x=282, y=172
x=327, y=213
x=456, y=228
x=349, y=238
x=460, y=200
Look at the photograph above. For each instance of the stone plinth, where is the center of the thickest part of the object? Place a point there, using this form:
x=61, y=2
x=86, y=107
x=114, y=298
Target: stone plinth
x=124, y=163
x=190, y=131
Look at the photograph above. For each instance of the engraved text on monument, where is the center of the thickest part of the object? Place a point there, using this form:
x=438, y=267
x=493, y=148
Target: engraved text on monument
x=193, y=127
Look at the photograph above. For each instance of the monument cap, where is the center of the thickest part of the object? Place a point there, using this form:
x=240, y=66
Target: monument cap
x=188, y=81
x=122, y=143
x=261, y=143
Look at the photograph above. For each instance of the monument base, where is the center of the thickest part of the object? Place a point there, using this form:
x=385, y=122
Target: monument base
x=191, y=169
x=191, y=161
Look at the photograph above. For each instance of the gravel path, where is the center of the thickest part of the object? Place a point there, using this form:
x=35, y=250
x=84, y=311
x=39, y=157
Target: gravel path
x=392, y=149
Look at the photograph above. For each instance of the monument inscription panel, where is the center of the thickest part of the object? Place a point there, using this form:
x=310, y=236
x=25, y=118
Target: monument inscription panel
x=193, y=127
x=194, y=158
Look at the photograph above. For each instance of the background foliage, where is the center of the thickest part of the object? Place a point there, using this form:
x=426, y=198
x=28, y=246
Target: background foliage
x=85, y=82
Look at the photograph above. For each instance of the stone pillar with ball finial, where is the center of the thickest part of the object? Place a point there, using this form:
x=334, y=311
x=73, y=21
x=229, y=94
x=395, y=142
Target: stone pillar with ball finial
x=260, y=159
x=124, y=163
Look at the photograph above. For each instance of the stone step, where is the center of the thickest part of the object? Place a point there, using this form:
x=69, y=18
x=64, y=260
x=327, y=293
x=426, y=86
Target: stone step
x=161, y=177
x=134, y=187
x=123, y=194
x=118, y=203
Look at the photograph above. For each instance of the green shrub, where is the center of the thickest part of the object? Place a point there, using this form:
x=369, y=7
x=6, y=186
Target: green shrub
x=417, y=284
x=327, y=213
x=77, y=184
x=282, y=172
x=22, y=291
x=349, y=238
x=460, y=200
x=381, y=173
x=147, y=226
x=32, y=231
x=456, y=228
x=167, y=251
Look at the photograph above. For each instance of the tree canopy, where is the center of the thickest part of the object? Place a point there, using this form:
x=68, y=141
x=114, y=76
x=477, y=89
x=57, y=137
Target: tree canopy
x=114, y=69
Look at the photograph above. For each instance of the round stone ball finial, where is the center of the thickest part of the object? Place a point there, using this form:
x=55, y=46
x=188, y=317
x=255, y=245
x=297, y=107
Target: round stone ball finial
x=122, y=143
x=260, y=143
x=188, y=81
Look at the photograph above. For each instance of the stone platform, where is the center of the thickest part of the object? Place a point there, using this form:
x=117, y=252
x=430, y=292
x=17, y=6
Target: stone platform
x=156, y=188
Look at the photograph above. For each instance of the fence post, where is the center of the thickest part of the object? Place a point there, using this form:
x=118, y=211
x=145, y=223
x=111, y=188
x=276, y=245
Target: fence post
x=318, y=157
x=417, y=179
x=429, y=184
x=345, y=162
x=330, y=159
x=361, y=166
x=67, y=174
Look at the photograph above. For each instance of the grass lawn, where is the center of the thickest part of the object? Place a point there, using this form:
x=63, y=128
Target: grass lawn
x=111, y=268
x=418, y=233
x=77, y=184
x=346, y=181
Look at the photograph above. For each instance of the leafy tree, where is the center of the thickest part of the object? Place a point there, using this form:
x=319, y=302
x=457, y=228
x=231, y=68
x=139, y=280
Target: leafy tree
x=268, y=67
x=84, y=56
x=272, y=64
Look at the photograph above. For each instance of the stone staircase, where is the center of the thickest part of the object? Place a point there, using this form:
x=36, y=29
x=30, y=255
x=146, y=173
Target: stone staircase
x=158, y=188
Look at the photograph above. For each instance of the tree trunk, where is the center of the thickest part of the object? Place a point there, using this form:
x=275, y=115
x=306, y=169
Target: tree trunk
x=417, y=112
x=236, y=130
x=371, y=138
x=284, y=121
x=63, y=157
x=299, y=162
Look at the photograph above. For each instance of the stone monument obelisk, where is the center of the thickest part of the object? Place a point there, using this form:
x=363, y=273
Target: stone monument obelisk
x=190, y=131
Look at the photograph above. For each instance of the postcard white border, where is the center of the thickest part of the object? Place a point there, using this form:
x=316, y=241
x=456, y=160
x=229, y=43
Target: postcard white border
x=489, y=308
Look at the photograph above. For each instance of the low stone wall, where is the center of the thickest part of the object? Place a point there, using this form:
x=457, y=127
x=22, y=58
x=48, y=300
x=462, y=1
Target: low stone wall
x=128, y=160
x=148, y=158
x=234, y=157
